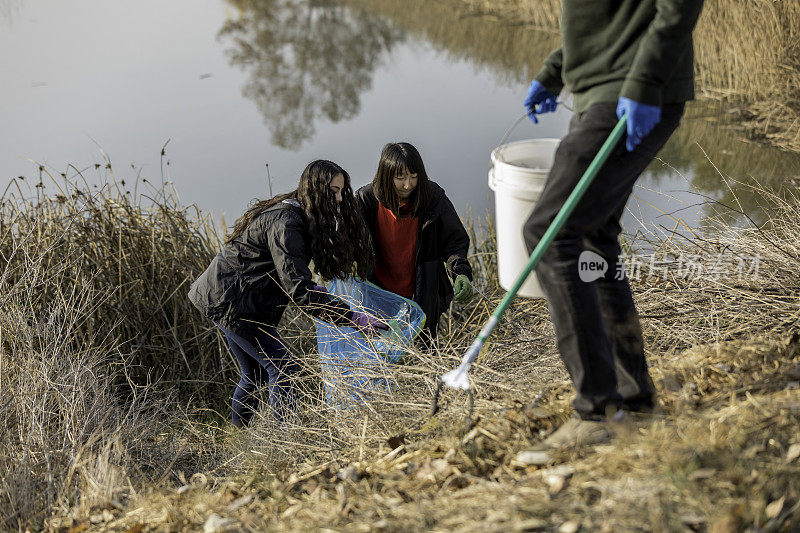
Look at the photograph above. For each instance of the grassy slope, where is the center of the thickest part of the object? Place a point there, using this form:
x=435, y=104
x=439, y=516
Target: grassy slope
x=726, y=360
x=723, y=455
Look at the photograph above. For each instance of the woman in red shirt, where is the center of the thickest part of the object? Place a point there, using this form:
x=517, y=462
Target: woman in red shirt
x=420, y=243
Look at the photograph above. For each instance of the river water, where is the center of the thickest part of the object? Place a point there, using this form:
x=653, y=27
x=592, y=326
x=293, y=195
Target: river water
x=233, y=86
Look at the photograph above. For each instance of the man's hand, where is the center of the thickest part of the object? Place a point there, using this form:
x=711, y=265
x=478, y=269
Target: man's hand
x=642, y=118
x=541, y=97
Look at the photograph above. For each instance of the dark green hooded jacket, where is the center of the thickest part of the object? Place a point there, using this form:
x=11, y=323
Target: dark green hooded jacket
x=639, y=49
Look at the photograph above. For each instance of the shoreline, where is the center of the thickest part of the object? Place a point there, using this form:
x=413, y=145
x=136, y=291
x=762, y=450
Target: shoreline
x=757, y=71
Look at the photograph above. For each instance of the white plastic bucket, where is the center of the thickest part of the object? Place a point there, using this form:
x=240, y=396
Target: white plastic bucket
x=519, y=171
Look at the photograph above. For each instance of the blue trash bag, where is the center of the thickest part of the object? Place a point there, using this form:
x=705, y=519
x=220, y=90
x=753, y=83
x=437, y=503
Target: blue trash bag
x=355, y=367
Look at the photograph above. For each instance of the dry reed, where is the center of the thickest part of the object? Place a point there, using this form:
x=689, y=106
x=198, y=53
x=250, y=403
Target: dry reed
x=724, y=352
x=96, y=340
x=99, y=451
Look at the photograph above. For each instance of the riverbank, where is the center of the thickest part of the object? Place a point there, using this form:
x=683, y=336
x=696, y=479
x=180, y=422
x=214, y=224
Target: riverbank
x=115, y=393
x=747, y=54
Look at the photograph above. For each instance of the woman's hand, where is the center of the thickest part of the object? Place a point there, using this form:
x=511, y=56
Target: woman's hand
x=462, y=289
x=367, y=323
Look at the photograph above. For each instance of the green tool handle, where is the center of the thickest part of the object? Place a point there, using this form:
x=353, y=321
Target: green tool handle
x=558, y=222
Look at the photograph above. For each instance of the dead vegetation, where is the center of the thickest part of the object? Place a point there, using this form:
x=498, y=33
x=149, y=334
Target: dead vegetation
x=725, y=455
x=88, y=447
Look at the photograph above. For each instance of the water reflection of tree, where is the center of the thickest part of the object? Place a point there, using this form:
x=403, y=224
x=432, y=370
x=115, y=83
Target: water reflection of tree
x=306, y=59
x=512, y=53
x=11, y=9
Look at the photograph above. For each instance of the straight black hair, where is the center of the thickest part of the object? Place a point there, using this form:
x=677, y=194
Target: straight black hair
x=396, y=159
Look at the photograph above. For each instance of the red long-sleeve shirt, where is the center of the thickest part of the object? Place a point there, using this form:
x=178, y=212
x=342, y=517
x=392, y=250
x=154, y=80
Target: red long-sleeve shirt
x=397, y=242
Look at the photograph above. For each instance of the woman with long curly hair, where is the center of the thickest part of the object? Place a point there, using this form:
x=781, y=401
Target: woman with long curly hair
x=264, y=264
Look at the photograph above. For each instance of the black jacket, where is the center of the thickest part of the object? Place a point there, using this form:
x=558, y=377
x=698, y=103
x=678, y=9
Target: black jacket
x=253, y=278
x=442, y=245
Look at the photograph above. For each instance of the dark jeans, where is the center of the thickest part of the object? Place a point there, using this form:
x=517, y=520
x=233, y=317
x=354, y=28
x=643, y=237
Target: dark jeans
x=263, y=360
x=597, y=327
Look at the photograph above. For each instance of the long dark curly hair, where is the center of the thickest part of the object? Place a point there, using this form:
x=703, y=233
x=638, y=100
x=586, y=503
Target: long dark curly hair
x=340, y=243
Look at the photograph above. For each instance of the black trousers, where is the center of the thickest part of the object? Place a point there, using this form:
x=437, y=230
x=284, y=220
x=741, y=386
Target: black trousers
x=597, y=327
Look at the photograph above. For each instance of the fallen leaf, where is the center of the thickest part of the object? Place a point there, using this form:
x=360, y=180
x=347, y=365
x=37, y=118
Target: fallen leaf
x=793, y=452
x=570, y=526
x=240, y=502
x=730, y=522
x=726, y=524
x=349, y=473
x=752, y=451
x=556, y=484
x=533, y=458
x=215, y=523
x=430, y=469
x=693, y=520
x=702, y=473
x=775, y=508
x=530, y=524
x=557, y=478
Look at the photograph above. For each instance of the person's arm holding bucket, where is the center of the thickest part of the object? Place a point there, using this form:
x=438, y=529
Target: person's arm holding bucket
x=545, y=87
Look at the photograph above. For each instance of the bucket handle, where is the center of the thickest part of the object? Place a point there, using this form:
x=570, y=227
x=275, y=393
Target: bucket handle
x=516, y=123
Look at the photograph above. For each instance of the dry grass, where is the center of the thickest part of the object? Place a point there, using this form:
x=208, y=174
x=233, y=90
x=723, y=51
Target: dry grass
x=723, y=454
x=98, y=348
x=749, y=53
x=89, y=449
x=131, y=250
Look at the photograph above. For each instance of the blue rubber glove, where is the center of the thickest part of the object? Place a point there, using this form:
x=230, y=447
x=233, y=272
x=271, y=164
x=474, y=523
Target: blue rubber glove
x=642, y=118
x=541, y=97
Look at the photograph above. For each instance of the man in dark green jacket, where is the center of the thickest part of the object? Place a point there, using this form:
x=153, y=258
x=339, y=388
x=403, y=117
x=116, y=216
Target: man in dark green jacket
x=617, y=57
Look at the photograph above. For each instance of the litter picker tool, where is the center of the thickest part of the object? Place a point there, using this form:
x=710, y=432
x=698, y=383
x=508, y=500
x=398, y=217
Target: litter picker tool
x=458, y=378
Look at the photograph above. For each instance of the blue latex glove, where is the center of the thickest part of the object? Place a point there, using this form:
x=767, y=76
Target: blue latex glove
x=541, y=97
x=642, y=118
